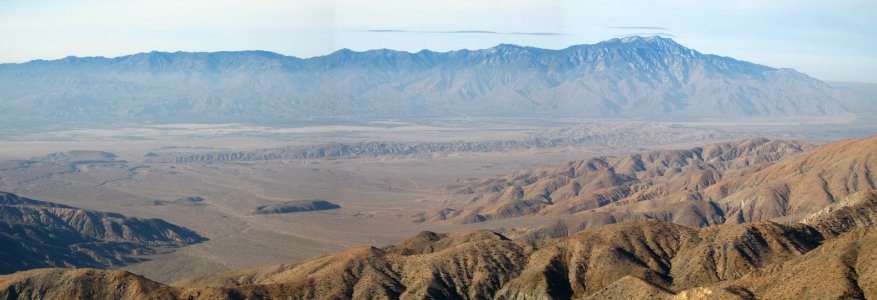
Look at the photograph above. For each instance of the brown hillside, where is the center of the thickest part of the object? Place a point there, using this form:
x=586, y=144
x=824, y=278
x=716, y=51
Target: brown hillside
x=828, y=256
x=586, y=185
x=81, y=284
x=784, y=190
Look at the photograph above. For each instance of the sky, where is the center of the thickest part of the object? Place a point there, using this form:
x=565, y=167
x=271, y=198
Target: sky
x=830, y=40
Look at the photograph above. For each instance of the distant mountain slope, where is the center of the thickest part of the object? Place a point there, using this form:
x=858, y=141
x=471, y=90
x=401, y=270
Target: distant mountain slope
x=39, y=234
x=650, y=77
x=663, y=179
x=735, y=182
x=827, y=257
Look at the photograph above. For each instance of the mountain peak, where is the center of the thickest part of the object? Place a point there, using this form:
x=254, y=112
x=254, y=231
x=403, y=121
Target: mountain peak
x=508, y=46
x=654, y=40
x=650, y=38
x=505, y=49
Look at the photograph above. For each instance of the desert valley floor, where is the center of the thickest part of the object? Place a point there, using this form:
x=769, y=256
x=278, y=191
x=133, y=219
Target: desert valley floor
x=232, y=170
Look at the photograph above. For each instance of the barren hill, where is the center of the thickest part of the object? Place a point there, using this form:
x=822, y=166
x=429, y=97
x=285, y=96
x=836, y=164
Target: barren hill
x=785, y=191
x=671, y=178
x=295, y=206
x=824, y=257
x=39, y=234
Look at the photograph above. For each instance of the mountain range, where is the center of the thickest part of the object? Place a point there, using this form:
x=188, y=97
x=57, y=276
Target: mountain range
x=642, y=77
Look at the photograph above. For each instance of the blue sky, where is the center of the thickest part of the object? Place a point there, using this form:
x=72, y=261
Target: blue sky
x=831, y=40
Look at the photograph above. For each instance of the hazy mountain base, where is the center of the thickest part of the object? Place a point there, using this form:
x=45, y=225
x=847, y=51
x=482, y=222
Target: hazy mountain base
x=821, y=258
x=598, y=134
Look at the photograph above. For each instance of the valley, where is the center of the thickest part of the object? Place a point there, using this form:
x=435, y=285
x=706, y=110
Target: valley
x=383, y=193
x=634, y=167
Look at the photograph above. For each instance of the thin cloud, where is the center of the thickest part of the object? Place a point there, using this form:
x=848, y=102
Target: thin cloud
x=661, y=34
x=381, y=30
x=641, y=28
x=629, y=31
x=536, y=33
x=459, y=32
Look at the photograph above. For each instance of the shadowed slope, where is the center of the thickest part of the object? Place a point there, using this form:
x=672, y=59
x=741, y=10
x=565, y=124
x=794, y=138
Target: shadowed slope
x=38, y=234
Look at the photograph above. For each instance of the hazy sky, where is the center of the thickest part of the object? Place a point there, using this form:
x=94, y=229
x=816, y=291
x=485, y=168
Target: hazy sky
x=832, y=40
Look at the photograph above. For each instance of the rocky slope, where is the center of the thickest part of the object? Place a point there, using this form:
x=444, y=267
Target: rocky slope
x=39, y=234
x=650, y=77
x=82, y=284
x=783, y=191
x=825, y=256
x=668, y=182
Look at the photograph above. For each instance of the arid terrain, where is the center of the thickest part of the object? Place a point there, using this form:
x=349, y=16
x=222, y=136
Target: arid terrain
x=630, y=168
x=826, y=255
x=386, y=190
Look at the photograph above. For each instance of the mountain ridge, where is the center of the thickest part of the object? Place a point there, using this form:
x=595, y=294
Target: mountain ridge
x=633, y=78
x=613, y=184
x=823, y=258
x=38, y=234
x=738, y=182
x=651, y=41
